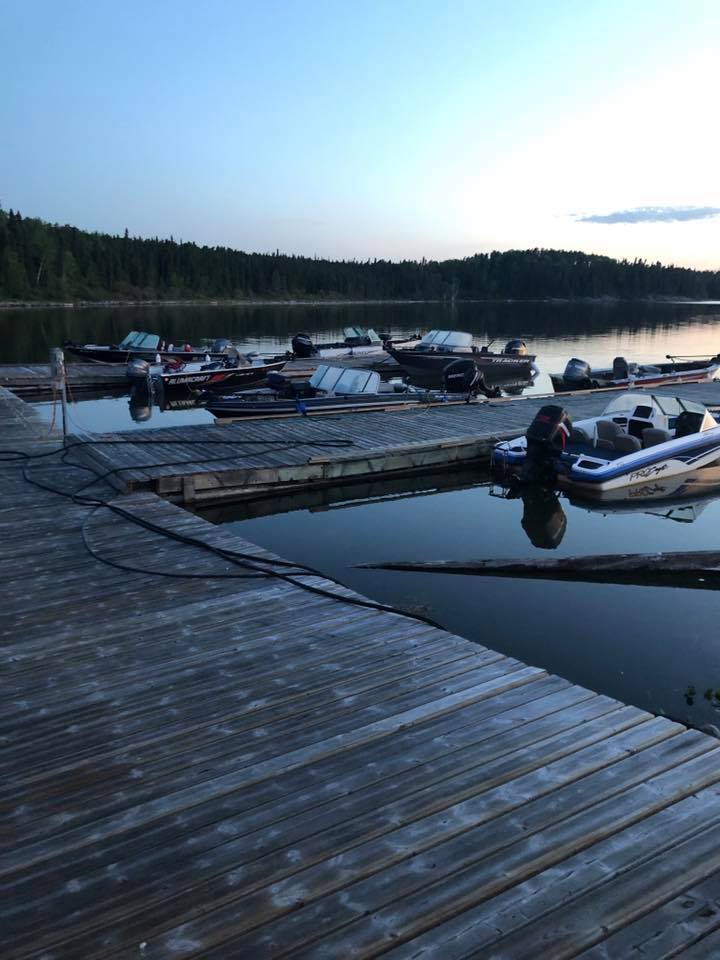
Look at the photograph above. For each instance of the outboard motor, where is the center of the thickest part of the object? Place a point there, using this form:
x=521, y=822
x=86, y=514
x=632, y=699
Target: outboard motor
x=138, y=369
x=302, y=345
x=464, y=376
x=546, y=438
x=577, y=371
x=516, y=348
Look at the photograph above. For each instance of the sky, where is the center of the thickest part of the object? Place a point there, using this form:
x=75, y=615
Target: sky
x=369, y=128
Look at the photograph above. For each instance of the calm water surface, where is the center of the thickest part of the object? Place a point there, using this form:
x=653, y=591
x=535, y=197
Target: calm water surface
x=648, y=646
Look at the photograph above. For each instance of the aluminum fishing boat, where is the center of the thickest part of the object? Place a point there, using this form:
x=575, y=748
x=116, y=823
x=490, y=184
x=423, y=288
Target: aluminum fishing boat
x=356, y=342
x=342, y=390
x=578, y=375
x=639, y=438
x=233, y=370
x=439, y=347
x=146, y=346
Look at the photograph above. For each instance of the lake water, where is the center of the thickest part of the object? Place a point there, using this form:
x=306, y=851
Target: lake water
x=649, y=646
x=597, y=332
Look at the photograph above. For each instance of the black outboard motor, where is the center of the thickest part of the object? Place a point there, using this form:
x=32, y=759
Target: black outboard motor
x=302, y=345
x=577, y=372
x=138, y=370
x=546, y=438
x=464, y=376
x=516, y=348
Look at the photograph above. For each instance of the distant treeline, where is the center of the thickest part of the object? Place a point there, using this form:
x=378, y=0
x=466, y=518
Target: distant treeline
x=43, y=261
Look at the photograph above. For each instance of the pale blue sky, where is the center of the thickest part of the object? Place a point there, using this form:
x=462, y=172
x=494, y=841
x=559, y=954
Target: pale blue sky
x=389, y=129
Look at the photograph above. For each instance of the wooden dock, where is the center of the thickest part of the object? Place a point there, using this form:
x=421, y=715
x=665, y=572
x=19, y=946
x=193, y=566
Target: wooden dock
x=210, y=463
x=35, y=379
x=221, y=767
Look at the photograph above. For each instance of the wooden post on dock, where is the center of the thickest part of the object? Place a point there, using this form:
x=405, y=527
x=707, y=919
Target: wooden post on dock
x=57, y=373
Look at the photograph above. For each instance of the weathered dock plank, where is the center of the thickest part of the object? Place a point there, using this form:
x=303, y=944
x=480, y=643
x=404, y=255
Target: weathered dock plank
x=225, y=767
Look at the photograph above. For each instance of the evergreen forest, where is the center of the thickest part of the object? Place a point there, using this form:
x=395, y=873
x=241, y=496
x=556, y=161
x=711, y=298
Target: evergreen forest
x=44, y=262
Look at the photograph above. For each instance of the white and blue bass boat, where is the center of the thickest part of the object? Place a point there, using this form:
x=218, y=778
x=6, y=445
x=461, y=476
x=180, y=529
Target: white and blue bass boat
x=637, y=439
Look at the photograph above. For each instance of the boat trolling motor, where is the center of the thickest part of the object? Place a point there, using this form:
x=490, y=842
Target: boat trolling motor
x=464, y=376
x=546, y=438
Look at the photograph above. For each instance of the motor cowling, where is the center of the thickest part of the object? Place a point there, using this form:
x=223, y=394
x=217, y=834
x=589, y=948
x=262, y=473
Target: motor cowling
x=461, y=376
x=464, y=376
x=138, y=369
x=516, y=348
x=577, y=371
x=302, y=345
x=546, y=438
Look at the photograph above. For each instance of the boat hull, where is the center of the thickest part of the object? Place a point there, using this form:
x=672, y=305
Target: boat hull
x=497, y=364
x=116, y=355
x=561, y=385
x=218, y=379
x=664, y=462
x=230, y=408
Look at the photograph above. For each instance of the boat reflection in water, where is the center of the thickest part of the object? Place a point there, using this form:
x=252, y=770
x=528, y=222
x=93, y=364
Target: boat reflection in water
x=680, y=499
x=146, y=398
x=543, y=518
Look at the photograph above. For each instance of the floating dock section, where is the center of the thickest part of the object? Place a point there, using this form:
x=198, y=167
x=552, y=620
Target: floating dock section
x=212, y=462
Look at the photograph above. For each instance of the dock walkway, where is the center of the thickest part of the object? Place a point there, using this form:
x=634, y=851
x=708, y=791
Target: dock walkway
x=224, y=768
x=211, y=462
x=28, y=379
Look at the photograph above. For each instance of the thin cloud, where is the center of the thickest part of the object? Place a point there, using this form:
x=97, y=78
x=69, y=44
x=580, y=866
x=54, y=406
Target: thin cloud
x=652, y=215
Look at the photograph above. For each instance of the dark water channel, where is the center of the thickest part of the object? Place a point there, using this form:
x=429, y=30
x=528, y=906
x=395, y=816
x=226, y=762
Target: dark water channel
x=655, y=647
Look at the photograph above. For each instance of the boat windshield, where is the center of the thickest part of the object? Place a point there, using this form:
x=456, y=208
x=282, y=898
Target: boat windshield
x=668, y=406
x=343, y=380
x=360, y=333
x=447, y=338
x=148, y=341
x=673, y=406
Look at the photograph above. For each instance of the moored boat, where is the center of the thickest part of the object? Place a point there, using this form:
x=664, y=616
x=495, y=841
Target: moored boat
x=334, y=389
x=356, y=342
x=439, y=347
x=146, y=346
x=233, y=370
x=578, y=375
x=639, y=438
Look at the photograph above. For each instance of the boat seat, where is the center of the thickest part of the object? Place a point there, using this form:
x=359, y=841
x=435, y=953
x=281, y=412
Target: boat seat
x=607, y=430
x=688, y=422
x=651, y=436
x=578, y=435
x=637, y=427
x=627, y=444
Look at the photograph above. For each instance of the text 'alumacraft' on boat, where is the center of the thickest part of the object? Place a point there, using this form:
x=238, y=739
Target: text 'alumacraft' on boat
x=636, y=439
x=233, y=370
x=345, y=390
